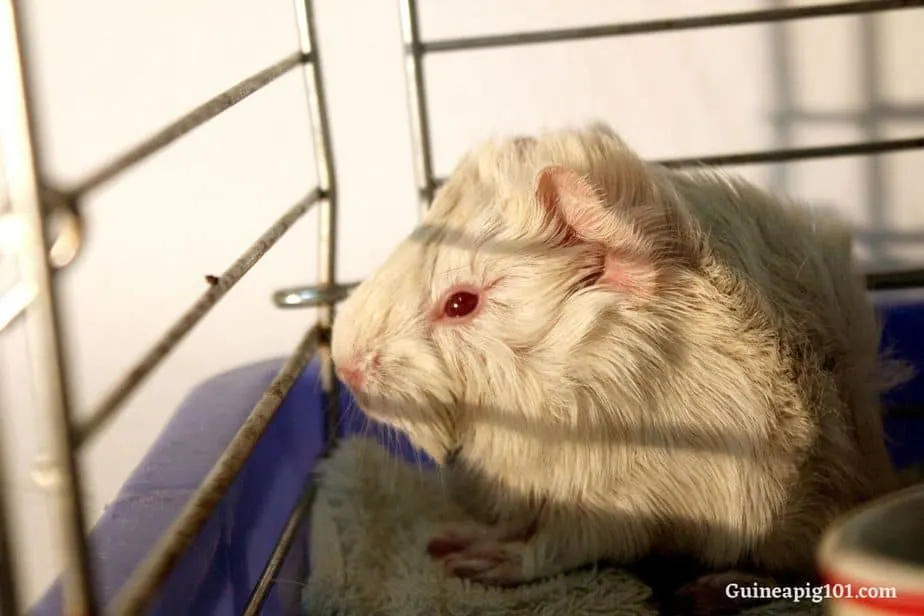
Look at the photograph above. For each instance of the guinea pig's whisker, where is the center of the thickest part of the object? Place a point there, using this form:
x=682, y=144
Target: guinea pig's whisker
x=418, y=462
x=341, y=415
x=392, y=437
x=801, y=267
x=391, y=445
x=391, y=441
x=363, y=431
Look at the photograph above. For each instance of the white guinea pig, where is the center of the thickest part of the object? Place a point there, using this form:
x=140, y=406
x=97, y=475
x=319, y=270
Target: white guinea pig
x=611, y=358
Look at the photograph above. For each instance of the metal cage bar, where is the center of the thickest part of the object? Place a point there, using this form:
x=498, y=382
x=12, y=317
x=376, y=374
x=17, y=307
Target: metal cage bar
x=699, y=22
x=327, y=220
x=219, y=287
x=146, y=579
x=49, y=367
x=786, y=155
x=34, y=204
x=187, y=123
x=277, y=558
x=889, y=281
x=417, y=102
x=794, y=154
x=327, y=252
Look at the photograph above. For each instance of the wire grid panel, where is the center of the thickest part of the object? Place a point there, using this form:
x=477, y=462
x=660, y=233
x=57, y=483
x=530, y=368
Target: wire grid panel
x=416, y=50
x=43, y=254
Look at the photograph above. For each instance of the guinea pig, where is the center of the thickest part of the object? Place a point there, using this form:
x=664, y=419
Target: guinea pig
x=608, y=358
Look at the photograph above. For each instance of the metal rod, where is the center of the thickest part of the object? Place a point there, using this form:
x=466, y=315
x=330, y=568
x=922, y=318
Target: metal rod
x=904, y=411
x=281, y=551
x=144, y=582
x=43, y=319
x=195, y=118
x=782, y=120
x=417, y=102
x=667, y=25
x=788, y=155
x=886, y=111
x=878, y=200
x=792, y=154
x=312, y=296
x=117, y=396
x=902, y=279
x=327, y=219
x=317, y=108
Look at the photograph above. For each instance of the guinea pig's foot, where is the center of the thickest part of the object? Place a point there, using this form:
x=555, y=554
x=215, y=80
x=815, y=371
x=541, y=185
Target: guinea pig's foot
x=493, y=563
x=455, y=537
x=716, y=594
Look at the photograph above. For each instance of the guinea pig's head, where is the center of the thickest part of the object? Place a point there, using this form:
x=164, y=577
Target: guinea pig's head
x=504, y=303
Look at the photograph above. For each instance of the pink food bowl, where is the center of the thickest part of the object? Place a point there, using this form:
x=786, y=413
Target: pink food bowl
x=872, y=560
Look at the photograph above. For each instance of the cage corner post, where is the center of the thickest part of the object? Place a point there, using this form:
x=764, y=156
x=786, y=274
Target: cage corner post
x=419, y=116
x=42, y=311
x=327, y=214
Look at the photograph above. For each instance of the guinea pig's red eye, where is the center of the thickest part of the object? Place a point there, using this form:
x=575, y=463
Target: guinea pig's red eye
x=460, y=304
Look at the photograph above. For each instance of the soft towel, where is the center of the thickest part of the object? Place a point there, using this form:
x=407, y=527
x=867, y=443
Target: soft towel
x=371, y=521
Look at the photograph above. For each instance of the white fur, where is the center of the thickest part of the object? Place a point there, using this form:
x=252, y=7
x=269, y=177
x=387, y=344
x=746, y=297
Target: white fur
x=691, y=411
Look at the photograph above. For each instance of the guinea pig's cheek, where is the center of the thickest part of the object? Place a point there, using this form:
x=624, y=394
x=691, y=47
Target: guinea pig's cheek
x=369, y=401
x=362, y=399
x=378, y=411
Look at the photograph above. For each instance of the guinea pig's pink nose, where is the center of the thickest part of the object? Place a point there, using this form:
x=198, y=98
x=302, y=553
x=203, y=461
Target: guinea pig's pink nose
x=351, y=375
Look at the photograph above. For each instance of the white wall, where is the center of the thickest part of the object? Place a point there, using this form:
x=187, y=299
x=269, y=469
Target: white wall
x=111, y=72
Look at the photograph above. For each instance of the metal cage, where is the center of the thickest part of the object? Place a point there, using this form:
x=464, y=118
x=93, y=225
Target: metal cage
x=44, y=254
x=34, y=205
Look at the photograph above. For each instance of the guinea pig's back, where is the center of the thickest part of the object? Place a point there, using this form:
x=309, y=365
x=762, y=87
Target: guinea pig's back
x=800, y=264
x=797, y=261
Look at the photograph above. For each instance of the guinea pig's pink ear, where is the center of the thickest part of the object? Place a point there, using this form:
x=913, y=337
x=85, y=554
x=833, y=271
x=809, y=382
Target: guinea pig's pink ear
x=580, y=213
x=560, y=190
x=570, y=200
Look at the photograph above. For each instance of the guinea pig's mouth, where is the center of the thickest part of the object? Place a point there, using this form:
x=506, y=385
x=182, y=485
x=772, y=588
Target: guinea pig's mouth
x=369, y=403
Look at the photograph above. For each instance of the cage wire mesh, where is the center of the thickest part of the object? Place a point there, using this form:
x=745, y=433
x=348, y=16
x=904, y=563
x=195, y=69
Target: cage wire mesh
x=42, y=227
x=45, y=221
x=416, y=50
